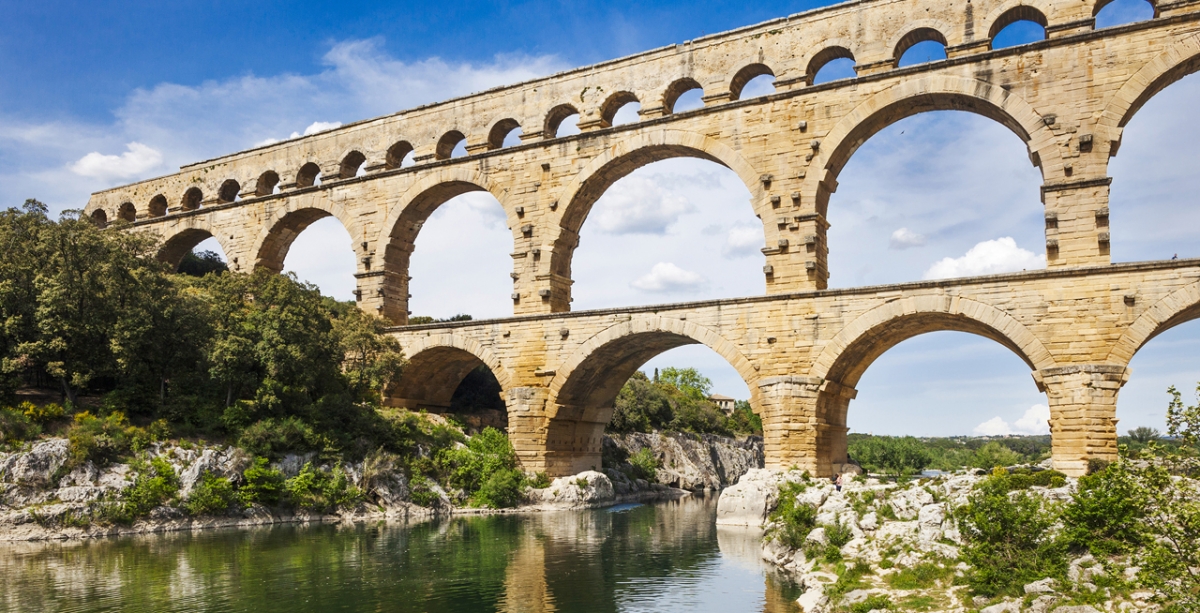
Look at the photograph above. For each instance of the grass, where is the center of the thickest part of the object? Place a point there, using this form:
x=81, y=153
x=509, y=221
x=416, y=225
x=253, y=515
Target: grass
x=921, y=576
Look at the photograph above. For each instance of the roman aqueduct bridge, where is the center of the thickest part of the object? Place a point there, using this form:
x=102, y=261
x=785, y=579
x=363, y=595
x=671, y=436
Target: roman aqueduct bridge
x=800, y=347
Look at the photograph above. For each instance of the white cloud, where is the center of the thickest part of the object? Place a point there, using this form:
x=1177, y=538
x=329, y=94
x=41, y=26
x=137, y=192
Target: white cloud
x=667, y=277
x=743, y=240
x=1035, y=421
x=638, y=205
x=321, y=126
x=905, y=238
x=986, y=258
x=137, y=160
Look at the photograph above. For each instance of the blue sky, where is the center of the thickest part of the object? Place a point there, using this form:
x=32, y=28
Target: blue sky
x=95, y=95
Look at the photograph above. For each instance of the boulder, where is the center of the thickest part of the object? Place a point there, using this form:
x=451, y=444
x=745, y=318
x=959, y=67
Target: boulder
x=589, y=488
x=1042, y=604
x=748, y=502
x=228, y=462
x=691, y=461
x=1083, y=608
x=1045, y=586
x=813, y=600
x=1008, y=606
x=37, y=466
x=817, y=535
x=932, y=515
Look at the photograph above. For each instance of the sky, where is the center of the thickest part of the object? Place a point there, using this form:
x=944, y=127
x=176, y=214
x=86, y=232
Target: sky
x=100, y=94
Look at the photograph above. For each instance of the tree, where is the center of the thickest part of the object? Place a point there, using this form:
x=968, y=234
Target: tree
x=372, y=359
x=895, y=456
x=21, y=241
x=1143, y=434
x=687, y=380
x=994, y=454
x=202, y=263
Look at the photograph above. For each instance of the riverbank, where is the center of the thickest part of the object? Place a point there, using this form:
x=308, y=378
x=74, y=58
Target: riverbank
x=42, y=498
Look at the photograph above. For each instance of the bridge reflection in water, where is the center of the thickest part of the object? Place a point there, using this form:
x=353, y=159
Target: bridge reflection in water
x=663, y=557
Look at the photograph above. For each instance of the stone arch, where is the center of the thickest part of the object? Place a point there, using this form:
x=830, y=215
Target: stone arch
x=933, y=93
x=846, y=356
x=1012, y=12
x=351, y=162
x=620, y=160
x=447, y=143
x=1177, y=62
x=436, y=366
x=396, y=154
x=267, y=181
x=608, y=110
x=185, y=238
x=100, y=218
x=585, y=386
x=157, y=206
x=1178, y=307
x=1100, y=4
x=833, y=51
x=914, y=36
x=191, y=199
x=676, y=89
x=229, y=191
x=499, y=131
x=744, y=76
x=271, y=246
x=408, y=213
x=307, y=175
x=127, y=212
x=555, y=118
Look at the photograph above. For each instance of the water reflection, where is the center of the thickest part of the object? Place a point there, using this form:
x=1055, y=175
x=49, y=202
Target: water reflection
x=663, y=557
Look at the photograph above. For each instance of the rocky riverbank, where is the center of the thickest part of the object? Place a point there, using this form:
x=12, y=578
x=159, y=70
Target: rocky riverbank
x=42, y=498
x=877, y=545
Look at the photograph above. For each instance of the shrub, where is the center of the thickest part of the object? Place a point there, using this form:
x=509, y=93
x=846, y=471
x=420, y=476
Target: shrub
x=421, y=493
x=262, y=484
x=921, y=576
x=212, y=496
x=1105, y=514
x=501, y=490
x=838, y=533
x=272, y=438
x=645, y=465
x=470, y=468
x=1023, y=479
x=16, y=427
x=895, y=456
x=794, y=519
x=872, y=603
x=41, y=414
x=539, y=481
x=994, y=454
x=321, y=491
x=1007, y=538
x=104, y=439
x=155, y=484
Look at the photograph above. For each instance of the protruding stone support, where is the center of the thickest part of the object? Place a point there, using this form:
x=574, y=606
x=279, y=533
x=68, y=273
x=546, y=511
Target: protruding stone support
x=527, y=426
x=1077, y=232
x=1083, y=413
x=573, y=440
x=789, y=416
x=383, y=293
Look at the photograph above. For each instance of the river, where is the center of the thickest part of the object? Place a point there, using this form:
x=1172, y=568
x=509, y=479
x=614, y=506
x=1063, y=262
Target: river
x=667, y=556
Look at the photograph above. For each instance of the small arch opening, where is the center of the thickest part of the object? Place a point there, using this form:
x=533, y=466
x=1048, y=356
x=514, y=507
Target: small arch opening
x=229, y=191
x=448, y=380
x=831, y=64
x=191, y=199
x=100, y=218
x=309, y=175
x=1110, y=13
x=562, y=120
x=506, y=133
x=268, y=183
x=451, y=145
x=1019, y=25
x=752, y=81
x=127, y=212
x=157, y=206
x=683, y=95
x=353, y=165
x=919, y=47
x=620, y=108
x=400, y=155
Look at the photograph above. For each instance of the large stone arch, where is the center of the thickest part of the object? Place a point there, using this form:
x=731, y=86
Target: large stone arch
x=179, y=240
x=617, y=162
x=1177, y=62
x=436, y=365
x=585, y=385
x=406, y=215
x=930, y=93
x=286, y=222
x=1178, y=307
x=846, y=356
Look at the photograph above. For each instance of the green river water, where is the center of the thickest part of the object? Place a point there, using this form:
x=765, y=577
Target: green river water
x=667, y=556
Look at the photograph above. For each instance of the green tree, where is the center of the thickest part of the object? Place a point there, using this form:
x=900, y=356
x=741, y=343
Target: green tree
x=1143, y=434
x=687, y=380
x=994, y=454
x=22, y=235
x=895, y=456
x=372, y=359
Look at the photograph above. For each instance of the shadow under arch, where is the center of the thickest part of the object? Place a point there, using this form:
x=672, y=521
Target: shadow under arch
x=921, y=96
x=846, y=357
x=584, y=389
x=271, y=247
x=1181, y=60
x=617, y=162
x=180, y=243
x=436, y=366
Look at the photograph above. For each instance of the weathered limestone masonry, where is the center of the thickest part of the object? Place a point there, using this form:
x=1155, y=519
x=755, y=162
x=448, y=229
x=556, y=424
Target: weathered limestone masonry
x=1067, y=97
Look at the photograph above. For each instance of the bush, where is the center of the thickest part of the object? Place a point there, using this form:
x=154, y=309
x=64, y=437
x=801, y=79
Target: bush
x=744, y=420
x=155, y=485
x=645, y=465
x=421, y=493
x=469, y=468
x=501, y=490
x=872, y=603
x=1007, y=538
x=994, y=454
x=1105, y=514
x=321, y=491
x=104, y=439
x=895, y=456
x=212, y=496
x=1023, y=479
x=794, y=519
x=838, y=533
x=262, y=484
x=539, y=481
x=16, y=427
x=41, y=414
x=921, y=576
x=271, y=438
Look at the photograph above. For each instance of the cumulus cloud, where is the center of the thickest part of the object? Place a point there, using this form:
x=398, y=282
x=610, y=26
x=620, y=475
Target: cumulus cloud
x=639, y=205
x=137, y=160
x=987, y=258
x=742, y=240
x=1035, y=421
x=667, y=277
x=905, y=238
